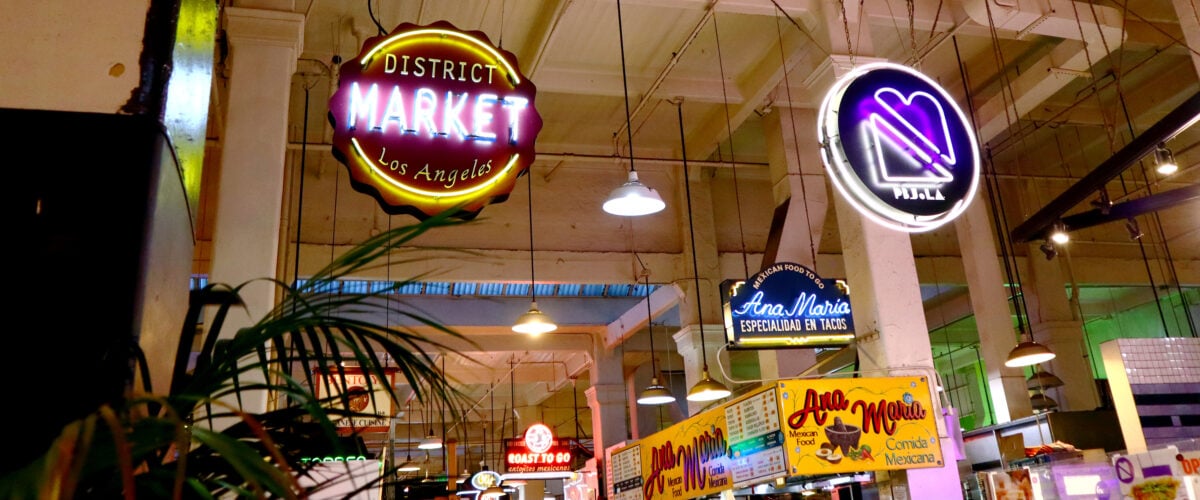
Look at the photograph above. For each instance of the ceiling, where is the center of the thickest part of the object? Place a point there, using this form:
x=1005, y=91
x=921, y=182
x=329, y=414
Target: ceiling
x=1074, y=108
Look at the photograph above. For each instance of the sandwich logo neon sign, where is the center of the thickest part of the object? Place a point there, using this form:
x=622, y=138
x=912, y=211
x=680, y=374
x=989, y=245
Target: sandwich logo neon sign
x=898, y=147
x=429, y=117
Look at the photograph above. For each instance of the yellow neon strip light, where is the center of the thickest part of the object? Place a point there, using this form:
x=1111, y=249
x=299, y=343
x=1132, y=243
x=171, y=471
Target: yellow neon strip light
x=380, y=171
x=512, y=73
x=806, y=339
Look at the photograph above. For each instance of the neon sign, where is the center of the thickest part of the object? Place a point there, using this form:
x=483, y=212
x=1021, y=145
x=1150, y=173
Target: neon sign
x=538, y=451
x=429, y=117
x=483, y=480
x=786, y=305
x=898, y=147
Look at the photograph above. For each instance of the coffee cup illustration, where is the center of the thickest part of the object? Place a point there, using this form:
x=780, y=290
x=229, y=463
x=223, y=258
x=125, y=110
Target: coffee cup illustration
x=842, y=436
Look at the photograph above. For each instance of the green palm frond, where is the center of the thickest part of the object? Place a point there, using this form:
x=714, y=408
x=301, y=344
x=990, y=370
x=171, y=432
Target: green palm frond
x=199, y=441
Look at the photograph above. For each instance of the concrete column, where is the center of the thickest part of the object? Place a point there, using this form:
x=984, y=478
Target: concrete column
x=1189, y=23
x=1053, y=323
x=989, y=302
x=643, y=419
x=264, y=45
x=607, y=400
x=798, y=179
x=534, y=489
x=892, y=335
x=693, y=351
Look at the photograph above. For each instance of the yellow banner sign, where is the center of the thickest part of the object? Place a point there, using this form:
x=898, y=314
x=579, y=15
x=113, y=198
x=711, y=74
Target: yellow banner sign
x=687, y=460
x=858, y=424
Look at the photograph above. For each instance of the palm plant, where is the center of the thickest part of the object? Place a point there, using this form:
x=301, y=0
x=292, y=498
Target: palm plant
x=173, y=444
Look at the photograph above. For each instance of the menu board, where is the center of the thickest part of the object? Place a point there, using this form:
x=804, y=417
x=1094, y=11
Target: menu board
x=859, y=424
x=625, y=469
x=755, y=438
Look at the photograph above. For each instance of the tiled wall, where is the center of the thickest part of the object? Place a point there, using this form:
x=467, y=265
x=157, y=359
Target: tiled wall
x=1162, y=376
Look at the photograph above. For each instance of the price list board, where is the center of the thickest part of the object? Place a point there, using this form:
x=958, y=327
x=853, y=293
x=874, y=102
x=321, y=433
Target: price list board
x=756, y=438
x=626, y=467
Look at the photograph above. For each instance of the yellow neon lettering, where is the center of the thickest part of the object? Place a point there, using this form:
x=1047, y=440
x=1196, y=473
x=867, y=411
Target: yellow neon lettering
x=442, y=33
x=462, y=71
x=444, y=195
x=447, y=69
x=404, y=67
x=420, y=64
x=475, y=67
x=389, y=63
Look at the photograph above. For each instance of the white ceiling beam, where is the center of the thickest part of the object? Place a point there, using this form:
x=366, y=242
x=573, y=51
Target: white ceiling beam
x=633, y=320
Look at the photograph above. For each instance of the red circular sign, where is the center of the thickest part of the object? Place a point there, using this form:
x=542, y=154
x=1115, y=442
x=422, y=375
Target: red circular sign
x=427, y=118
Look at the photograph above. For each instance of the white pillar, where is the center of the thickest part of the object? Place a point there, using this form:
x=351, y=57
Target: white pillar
x=607, y=400
x=1055, y=325
x=993, y=318
x=693, y=351
x=264, y=45
x=892, y=335
x=798, y=178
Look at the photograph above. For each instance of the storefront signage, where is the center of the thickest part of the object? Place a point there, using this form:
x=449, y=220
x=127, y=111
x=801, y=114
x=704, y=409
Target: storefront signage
x=786, y=305
x=430, y=117
x=898, y=147
x=538, y=451
x=756, y=450
x=485, y=479
x=372, y=407
x=859, y=424
x=687, y=460
x=1158, y=473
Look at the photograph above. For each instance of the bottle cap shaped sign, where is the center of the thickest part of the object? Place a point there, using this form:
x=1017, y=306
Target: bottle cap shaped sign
x=898, y=147
x=428, y=118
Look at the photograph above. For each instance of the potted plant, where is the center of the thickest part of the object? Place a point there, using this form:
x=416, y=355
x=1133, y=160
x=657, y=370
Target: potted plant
x=172, y=445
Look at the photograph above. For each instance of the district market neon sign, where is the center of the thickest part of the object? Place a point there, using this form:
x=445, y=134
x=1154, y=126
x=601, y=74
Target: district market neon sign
x=427, y=118
x=898, y=147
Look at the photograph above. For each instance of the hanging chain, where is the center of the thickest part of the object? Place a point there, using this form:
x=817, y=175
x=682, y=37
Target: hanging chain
x=912, y=29
x=846, y=30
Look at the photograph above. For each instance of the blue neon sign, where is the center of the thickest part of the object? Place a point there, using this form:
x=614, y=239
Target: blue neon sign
x=787, y=305
x=898, y=147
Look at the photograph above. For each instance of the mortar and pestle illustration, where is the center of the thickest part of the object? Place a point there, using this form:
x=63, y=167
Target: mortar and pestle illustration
x=842, y=436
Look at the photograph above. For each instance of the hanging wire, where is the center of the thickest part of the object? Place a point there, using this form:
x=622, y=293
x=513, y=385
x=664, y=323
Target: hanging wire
x=787, y=87
x=732, y=157
x=532, y=276
x=687, y=185
x=625, y=85
x=800, y=28
x=371, y=12
x=995, y=202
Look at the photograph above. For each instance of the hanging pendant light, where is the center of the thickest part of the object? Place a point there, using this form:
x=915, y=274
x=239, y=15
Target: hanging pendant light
x=655, y=393
x=1042, y=402
x=706, y=389
x=1043, y=380
x=632, y=198
x=533, y=322
x=408, y=465
x=1028, y=353
x=431, y=441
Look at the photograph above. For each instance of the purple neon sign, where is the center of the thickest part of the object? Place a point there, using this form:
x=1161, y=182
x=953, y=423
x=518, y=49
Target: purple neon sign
x=898, y=147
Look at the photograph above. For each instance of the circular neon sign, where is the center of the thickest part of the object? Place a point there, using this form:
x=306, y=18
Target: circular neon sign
x=430, y=117
x=898, y=147
x=539, y=438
